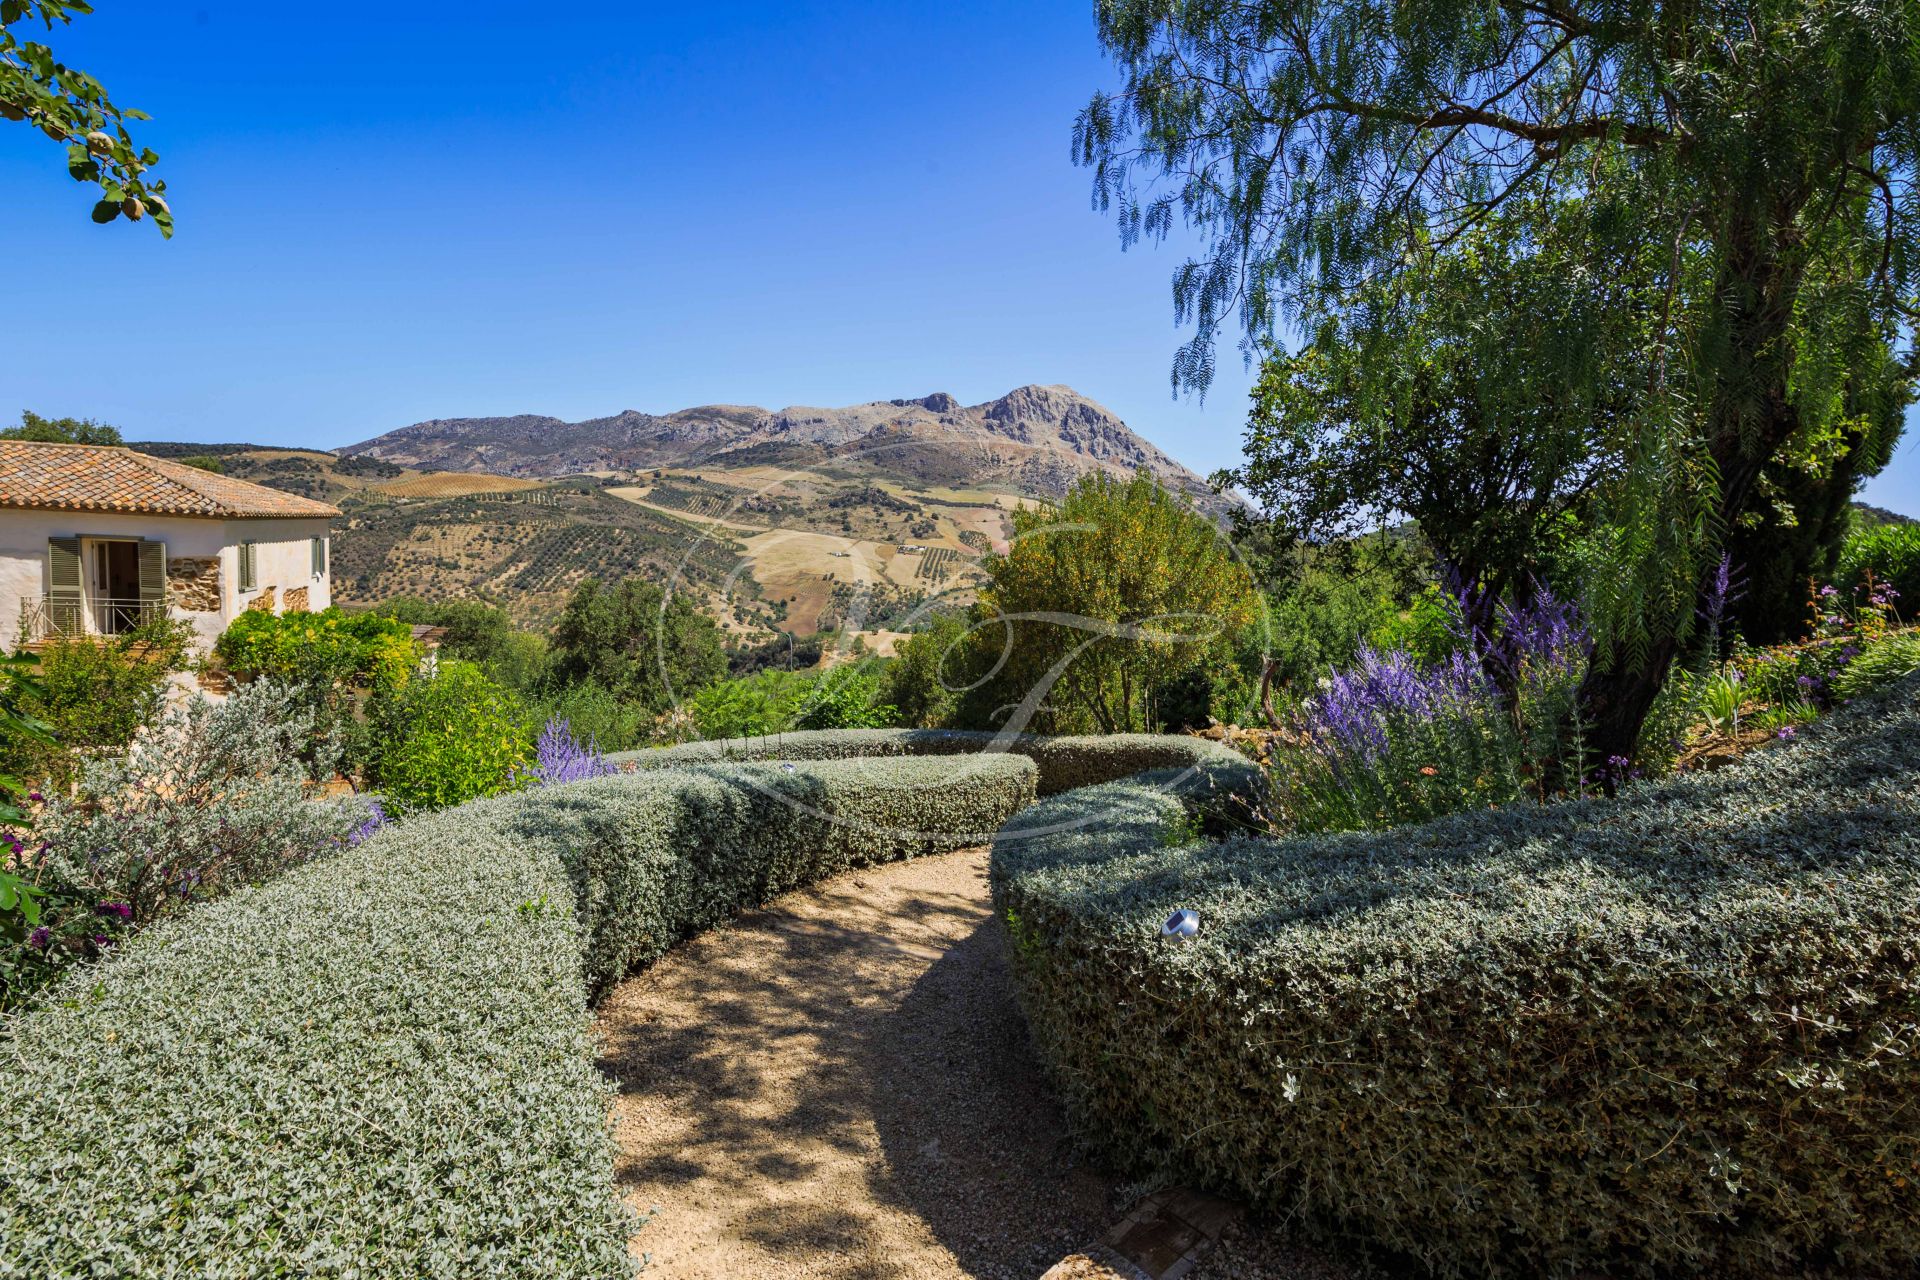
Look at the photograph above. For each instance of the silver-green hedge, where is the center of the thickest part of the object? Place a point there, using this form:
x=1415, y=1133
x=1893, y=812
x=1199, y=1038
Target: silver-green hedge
x=665, y=853
x=381, y=1064
x=377, y=1065
x=1064, y=763
x=1676, y=1033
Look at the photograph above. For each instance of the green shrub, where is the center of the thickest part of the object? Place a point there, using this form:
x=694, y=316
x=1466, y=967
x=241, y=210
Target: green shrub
x=93, y=693
x=1891, y=552
x=447, y=739
x=594, y=715
x=1880, y=662
x=318, y=649
x=765, y=702
x=1671, y=1032
x=847, y=697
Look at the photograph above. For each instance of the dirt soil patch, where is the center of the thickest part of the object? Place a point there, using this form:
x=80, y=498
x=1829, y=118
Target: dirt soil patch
x=840, y=1085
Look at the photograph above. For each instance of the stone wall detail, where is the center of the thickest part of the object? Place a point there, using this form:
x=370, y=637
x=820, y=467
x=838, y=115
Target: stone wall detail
x=262, y=601
x=193, y=583
x=295, y=601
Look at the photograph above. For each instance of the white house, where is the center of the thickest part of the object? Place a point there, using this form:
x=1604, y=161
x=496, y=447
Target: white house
x=96, y=539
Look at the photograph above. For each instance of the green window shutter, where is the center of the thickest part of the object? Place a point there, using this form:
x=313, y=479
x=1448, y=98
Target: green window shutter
x=64, y=578
x=153, y=573
x=319, y=557
x=66, y=585
x=246, y=566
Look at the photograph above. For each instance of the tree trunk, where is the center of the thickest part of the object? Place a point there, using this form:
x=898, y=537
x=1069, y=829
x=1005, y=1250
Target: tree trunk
x=1751, y=417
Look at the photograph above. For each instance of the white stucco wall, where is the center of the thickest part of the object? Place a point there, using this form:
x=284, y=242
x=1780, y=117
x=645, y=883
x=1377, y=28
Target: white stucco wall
x=283, y=558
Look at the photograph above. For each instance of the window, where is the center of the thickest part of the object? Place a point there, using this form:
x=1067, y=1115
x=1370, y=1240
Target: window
x=248, y=578
x=319, y=557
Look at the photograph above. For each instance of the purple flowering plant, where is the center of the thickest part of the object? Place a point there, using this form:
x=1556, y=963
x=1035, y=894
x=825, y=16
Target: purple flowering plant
x=1389, y=739
x=559, y=757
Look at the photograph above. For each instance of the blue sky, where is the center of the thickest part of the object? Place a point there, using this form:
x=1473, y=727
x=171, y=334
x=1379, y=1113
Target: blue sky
x=482, y=208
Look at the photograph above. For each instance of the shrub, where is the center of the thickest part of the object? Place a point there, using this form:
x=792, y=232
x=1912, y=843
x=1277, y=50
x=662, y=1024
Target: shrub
x=1879, y=663
x=559, y=757
x=212, y=796
x=1670, y=1032
x=594, y=713
x=382, y=1064
x=93, y=693
x=452, y=738
x=377, y=1065
x=318, y=650
x=765, y=702
x=846, y=697
x=1891, y=553
x=663, y=854
x=1391, y=740
x=924, y=678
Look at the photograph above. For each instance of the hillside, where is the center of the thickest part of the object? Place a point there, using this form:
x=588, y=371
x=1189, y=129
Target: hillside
x=1034, y=440
x=762, y=549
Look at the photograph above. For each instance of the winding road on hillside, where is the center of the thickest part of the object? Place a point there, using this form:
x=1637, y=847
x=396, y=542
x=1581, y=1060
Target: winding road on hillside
x=840, y=1085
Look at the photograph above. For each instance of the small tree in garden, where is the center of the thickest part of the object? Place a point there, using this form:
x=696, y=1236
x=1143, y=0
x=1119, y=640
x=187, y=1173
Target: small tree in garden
x=445, y=740
x=1099, y=603
x=649, y=649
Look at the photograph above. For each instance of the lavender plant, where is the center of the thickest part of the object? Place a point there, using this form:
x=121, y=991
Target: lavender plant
x=1391, y=740
x=560, y=757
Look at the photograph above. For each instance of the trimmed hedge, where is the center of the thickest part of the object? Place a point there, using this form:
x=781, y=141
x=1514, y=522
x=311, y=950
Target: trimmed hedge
x=1064, y=763
x=382, y=1064
x=377, y=1065
x=661, y=855
x=1678, y=1032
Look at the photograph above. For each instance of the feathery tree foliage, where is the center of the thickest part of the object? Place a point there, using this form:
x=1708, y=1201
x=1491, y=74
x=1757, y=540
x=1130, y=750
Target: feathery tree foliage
x=1771, y=144
x=1478, y=392
x=1101, y=603
x=71, y=107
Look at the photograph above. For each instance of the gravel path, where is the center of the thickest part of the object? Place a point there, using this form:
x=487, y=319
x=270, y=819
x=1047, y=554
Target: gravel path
x=840, y=1085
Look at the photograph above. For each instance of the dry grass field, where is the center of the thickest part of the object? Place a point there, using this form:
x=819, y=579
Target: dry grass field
x=453, y=484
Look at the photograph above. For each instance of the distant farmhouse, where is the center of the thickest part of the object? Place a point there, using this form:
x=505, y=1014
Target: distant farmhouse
x=95, y=540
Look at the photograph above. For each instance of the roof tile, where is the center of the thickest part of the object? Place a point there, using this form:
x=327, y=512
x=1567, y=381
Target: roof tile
x=84, y=477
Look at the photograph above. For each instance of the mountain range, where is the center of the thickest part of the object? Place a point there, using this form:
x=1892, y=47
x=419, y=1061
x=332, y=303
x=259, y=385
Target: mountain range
x=1035, y=440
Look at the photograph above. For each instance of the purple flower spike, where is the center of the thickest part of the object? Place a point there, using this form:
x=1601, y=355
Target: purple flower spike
x=559, y=757
x=120, y=909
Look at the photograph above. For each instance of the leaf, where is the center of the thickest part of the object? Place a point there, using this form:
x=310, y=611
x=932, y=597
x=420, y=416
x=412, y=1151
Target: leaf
x=106, y=211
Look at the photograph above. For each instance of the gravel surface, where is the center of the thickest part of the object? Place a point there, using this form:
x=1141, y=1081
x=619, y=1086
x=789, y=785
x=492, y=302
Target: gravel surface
x=841, y=1085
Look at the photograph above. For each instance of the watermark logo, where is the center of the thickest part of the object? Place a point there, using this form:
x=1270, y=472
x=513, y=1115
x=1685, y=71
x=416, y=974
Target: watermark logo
x=875, y=587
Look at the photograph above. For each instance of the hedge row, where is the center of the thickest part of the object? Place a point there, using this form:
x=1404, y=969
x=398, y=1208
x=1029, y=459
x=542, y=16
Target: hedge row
x=1065, y=763
x=660, y=855
x=381, y=1064
x=1675, y=1033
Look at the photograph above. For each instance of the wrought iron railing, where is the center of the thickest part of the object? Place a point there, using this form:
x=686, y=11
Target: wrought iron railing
x=44, y=617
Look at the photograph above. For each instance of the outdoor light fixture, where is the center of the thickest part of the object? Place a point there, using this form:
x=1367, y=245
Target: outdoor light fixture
x=1181, y=926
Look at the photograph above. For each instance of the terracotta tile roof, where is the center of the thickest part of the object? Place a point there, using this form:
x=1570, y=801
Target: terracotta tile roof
x=86, y=477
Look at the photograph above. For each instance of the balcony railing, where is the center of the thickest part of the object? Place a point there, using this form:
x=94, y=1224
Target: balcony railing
x=44, y=617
